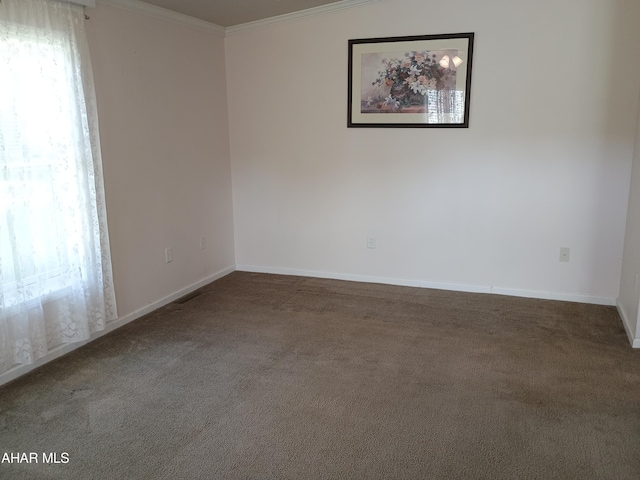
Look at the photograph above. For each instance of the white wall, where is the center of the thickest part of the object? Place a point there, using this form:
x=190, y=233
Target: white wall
x=545, y=163
x=629, y=291
x=161, y=90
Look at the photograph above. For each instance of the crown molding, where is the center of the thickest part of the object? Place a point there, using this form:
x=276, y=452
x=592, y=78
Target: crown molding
x=289, y=17
x=84, y=3
x=164, y=14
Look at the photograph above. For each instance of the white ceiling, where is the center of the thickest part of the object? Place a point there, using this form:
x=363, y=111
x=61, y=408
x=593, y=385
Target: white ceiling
x=235, y=12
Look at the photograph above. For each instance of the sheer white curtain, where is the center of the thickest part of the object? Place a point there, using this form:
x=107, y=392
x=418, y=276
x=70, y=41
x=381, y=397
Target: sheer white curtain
x=55, y=270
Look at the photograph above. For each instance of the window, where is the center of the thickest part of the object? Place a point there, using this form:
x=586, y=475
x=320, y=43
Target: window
x=55, y=272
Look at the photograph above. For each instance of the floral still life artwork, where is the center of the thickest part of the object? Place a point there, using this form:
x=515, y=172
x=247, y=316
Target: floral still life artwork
x=410, y=87
x=406, y=80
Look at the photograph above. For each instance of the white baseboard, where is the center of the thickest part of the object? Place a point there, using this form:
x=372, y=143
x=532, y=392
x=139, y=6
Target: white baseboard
x=111, y=326
x=565, y=297
x=457, y=287
x=635, y=342
x=363, y=278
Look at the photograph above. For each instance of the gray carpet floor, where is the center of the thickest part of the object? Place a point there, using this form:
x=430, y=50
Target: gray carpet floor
x=277, y=377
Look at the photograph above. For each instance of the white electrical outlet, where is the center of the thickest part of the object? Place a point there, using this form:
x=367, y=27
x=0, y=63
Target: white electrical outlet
x=371, y=241
x=168, y=254
x=565, y=253
x=203, y=242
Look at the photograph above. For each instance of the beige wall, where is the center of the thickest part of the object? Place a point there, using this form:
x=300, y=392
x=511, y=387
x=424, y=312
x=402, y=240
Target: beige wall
x=545, y=163
x=161, y=91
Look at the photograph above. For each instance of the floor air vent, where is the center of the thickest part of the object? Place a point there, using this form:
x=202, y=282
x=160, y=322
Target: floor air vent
x=187, y=298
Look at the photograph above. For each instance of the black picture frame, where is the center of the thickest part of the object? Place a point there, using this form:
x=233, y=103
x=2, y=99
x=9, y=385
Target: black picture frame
x=412, y=81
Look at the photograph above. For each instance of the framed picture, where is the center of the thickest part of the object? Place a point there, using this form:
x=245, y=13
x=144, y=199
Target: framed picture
x=417, y=81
